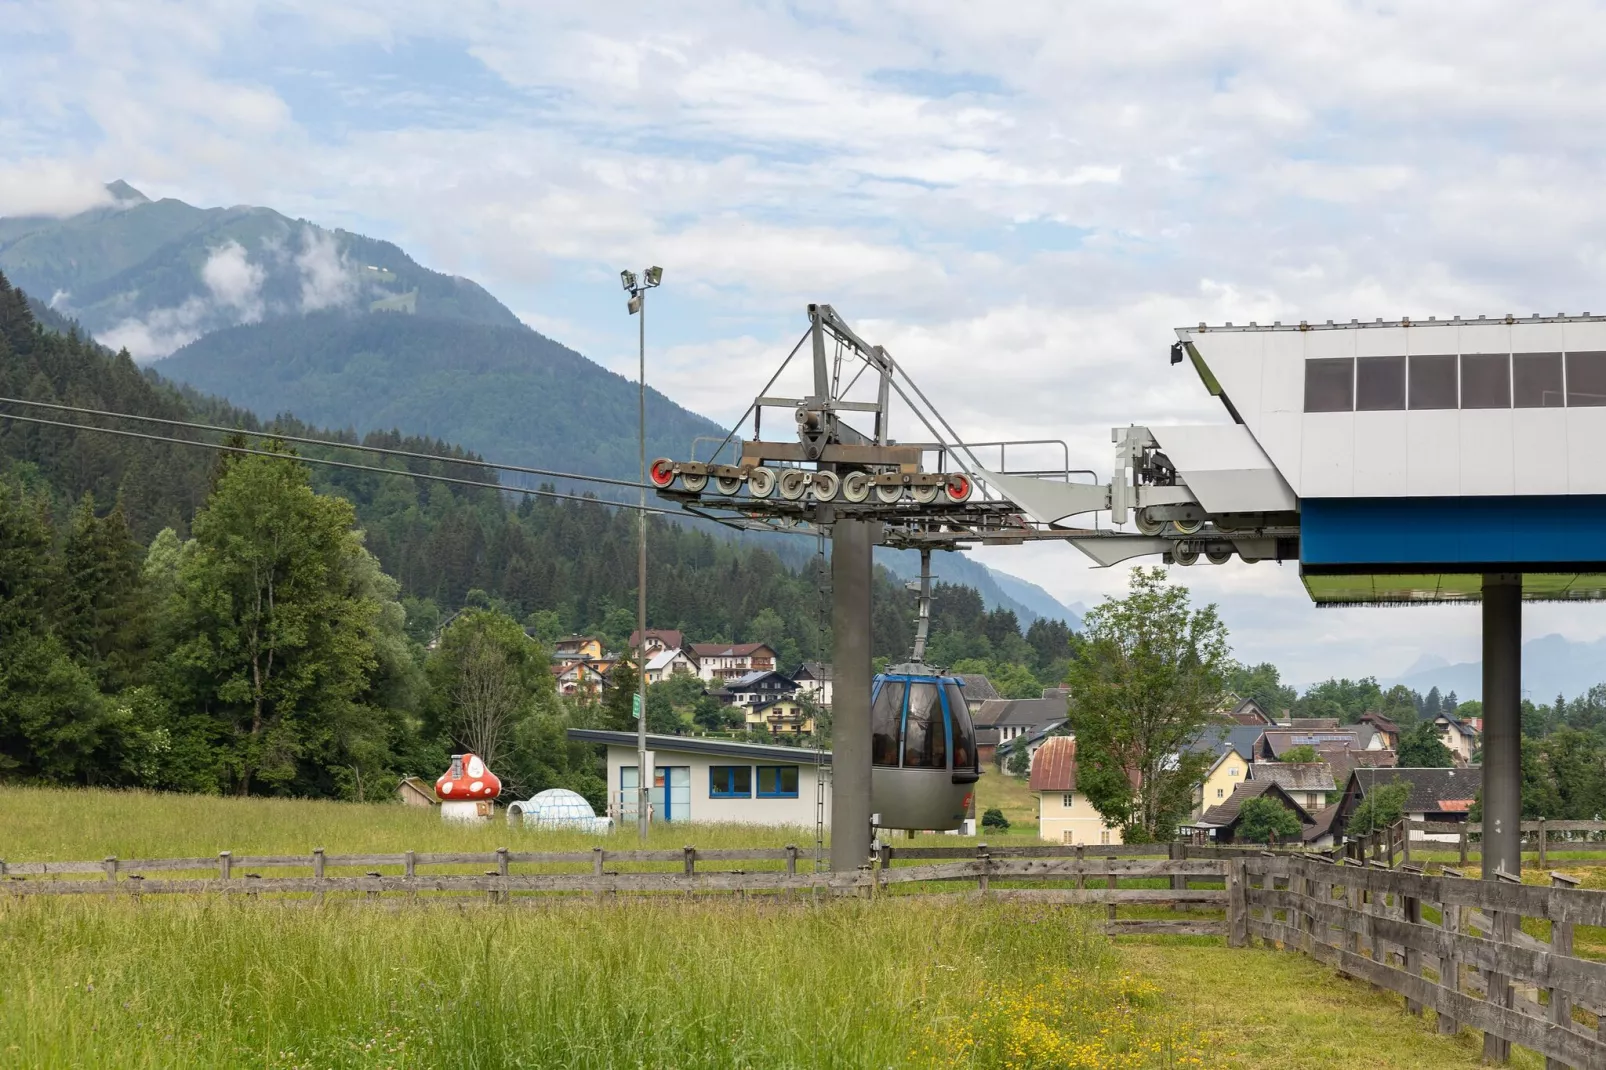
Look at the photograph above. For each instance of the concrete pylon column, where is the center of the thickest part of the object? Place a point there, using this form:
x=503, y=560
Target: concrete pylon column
x=851, y=541
x=1502, y=723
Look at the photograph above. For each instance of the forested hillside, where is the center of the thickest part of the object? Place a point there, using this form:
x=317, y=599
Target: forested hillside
x=122, y=589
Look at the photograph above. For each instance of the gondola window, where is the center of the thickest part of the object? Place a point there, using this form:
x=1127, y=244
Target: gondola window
x=925, y=743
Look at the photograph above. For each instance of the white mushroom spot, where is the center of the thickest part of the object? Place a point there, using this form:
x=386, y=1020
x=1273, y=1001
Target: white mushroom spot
x=476, y=786
x=475, y=766
x=446, y=788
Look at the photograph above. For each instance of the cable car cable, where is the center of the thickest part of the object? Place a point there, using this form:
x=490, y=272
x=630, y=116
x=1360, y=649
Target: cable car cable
x=223, y=447
x=331, y=444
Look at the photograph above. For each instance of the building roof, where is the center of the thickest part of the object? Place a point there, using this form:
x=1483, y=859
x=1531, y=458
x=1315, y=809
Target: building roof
x=1324, y=823
x=575, y=641
x=1048, y=730
x=1344, y=759
x=819, y=671
x=1218, y=739
x=702, y=745
x=729, y=650
x=1296, y=776
x=1226, y=812
x=1021, y=712
x=664, y=658
x=1381, y=723
x=1280, y=739
x=749, y=681
x=668, y=636
x=1443, y=790
x=987, y=737
x=1313, y=724
x=1054, y=768
x=1248, y=712
x=977, y=687
x=1460, y=725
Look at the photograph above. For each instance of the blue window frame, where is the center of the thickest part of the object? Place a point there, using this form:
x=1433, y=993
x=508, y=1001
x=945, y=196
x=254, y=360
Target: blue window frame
x=777, y=782
x=730, y=782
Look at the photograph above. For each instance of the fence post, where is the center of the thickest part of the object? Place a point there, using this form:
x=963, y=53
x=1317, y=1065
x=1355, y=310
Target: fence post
x=1407, y=845
x=1237, y=904
x=1497, y=1049
x=689, y=862
x=1081, y=876
x=410, y=871
x=1109, y=914
x=984, y=882
x=111, y=868
x=596, y=870
x=225, y=864
x=1561, y=943
x=1544, y=840
x=1450, y=966
x=317, y=869
x=501, y=895
x=1466, y=827
x=1412, y=906
x=1177, y=851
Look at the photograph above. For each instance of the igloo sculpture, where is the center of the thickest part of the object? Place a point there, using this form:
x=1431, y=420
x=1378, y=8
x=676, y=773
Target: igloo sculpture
x=558, y=808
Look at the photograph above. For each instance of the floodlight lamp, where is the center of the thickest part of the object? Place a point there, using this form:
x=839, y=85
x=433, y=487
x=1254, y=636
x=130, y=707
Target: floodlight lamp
x=635, y=304
x=655, y=275
x=627, y=279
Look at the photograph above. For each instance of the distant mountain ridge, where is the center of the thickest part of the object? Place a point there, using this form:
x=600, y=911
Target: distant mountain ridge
x=1551, y=665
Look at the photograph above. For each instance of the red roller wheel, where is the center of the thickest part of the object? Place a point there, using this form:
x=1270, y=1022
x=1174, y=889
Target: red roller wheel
x=957, y=488
x=662, y=472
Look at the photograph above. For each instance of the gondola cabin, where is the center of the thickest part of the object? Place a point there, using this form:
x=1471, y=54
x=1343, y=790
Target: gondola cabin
x=923, y=750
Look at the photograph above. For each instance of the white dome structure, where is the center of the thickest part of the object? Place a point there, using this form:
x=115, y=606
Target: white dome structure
x=558, y=808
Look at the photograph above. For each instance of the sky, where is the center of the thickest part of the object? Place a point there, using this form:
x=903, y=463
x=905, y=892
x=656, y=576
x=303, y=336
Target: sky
x=1020, y=201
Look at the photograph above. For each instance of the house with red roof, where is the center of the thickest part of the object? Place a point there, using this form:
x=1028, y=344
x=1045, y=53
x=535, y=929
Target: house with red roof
x=1064, y=814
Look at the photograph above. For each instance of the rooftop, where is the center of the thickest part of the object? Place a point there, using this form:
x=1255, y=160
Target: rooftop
x=1295, y=776
x=977, y=687
x=702, y=745
x=1026, y=712
x=1405, y=321
x=1225, y=813
x=1054, y=768
x=1431, y=789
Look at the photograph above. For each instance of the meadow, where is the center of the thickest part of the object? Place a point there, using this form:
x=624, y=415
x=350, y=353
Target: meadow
x=918, y=981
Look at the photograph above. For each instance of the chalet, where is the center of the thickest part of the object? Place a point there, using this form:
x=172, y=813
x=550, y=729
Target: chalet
x=1436, y=794
x=1016, y=717
x=583, y=678
x=658, y=640
x=1385, y=728
x=671, y=661
x=577, y=648
x=718, y=662
x=1307, y=783
x=1458, y=737
x=713, y=780
x=977, y=689
x=1064, y=814
x=759, y=686
x=1219, y=824
x=779, y=716
x=1234, y=748
x=814, y=679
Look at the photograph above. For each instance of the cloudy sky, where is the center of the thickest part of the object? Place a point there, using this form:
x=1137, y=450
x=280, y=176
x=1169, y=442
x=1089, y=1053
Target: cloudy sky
x=1019, y=200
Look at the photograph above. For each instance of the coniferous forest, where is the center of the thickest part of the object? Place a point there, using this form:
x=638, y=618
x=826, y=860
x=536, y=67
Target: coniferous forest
x=176, y=617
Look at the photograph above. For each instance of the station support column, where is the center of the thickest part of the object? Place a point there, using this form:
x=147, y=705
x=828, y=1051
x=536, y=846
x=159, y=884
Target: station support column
x=851, y=542
x=1502, y=723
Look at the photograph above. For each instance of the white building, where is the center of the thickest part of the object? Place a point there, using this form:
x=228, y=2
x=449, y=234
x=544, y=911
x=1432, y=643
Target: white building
x=718, y=662
x=814, y=679
x=666, y=663
x=708, y=780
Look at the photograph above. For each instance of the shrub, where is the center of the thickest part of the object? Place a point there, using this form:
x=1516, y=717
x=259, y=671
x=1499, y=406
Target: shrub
x=994, y=819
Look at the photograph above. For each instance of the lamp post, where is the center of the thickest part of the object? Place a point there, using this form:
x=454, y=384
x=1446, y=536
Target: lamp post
x=637, y=289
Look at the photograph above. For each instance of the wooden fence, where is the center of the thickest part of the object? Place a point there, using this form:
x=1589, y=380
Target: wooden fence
x=1474, y=965
x=1541, y=837
x=1046, y=873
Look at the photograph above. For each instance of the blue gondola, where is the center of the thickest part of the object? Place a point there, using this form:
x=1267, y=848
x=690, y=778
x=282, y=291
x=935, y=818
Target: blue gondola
x=923, y=749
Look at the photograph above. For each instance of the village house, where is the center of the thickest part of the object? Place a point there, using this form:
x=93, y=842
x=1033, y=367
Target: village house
x=1458, y=737
x=713, y=780
x=1016, y=717
x=718, y=662
x=1234, y=747
x=1385, y=728
x=814, y=680
x=1005, y=753
x=1436, y=794
x=757, y=687
x=977, y=689
x=577, y=648
x=1307, y=783
x=779, y=716
x=1247, y=712
x=1219, y=824
x=583, y=678
x=658, y=640
x=669, y=662
x=1064, y=814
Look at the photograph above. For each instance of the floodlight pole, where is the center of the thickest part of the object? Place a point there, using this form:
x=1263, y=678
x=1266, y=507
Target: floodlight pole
x=638, y=308
x=1502, y=724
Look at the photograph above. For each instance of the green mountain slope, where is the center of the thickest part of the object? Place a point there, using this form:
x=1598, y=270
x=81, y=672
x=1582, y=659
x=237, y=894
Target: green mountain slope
x=506, y=392
x=154, y=275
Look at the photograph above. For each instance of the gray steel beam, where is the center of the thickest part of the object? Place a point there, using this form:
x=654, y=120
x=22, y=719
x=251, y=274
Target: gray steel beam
x=851, y=542
x=1502, y=723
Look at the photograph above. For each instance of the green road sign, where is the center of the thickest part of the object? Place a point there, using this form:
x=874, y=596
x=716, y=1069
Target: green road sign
x=635, y=705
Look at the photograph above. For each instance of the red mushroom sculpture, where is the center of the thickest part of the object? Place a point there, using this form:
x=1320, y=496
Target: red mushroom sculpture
x=467, y=780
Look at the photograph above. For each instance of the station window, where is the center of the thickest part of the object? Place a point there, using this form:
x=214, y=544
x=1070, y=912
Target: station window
x=1536, y=381
x=1586, y=379
x=730, y=782
x=777, y=782
x=1486, y=380
x=1379, y=384
x=1330, y=384
x=1434, y=384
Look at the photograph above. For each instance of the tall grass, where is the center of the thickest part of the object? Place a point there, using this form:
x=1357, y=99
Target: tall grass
x=682, y=984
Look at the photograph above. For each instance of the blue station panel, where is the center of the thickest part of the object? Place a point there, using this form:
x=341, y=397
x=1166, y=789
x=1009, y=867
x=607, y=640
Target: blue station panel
x=1492, y=534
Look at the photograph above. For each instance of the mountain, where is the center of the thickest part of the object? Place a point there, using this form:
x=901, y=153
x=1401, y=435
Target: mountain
x=1551, y=665
x=503, y=391
x=997, y=589
x=152, y=276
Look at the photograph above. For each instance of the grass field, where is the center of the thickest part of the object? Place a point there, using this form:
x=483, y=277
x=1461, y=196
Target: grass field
x=666, y=982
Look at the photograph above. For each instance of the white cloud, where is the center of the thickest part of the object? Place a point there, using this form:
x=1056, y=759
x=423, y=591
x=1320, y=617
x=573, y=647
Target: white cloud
x=235, y=282
x=234, y=295
x=50, y=187
x=159, y=332
x=328, y=279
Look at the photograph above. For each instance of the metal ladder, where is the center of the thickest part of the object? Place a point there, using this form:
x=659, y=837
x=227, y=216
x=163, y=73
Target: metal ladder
x=823, y=589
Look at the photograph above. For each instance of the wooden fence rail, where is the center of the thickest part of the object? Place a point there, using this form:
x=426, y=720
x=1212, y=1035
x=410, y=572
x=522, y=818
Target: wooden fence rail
x=1485, y=973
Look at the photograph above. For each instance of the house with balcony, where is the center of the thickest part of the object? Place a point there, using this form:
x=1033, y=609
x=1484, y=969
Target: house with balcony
x=670, y=662
x=784, y=716
x=756, y=688
x=718, y=662
x=658, y=640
